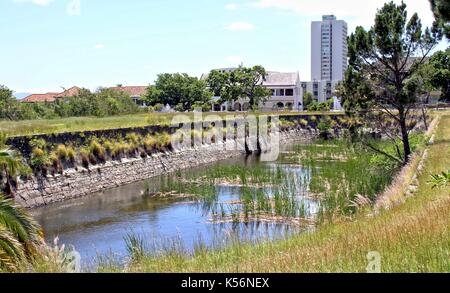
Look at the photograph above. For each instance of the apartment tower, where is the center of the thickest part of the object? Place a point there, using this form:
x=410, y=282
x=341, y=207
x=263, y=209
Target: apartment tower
x=328, y=49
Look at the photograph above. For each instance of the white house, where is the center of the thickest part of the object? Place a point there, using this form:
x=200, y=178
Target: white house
x=286, y=94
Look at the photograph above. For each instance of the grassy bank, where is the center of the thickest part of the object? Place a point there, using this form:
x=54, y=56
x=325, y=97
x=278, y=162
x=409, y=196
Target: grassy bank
x=16, y=128
x=412, y=237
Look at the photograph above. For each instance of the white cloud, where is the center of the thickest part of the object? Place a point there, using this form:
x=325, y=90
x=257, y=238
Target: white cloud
x=232, y=6
x=37, y=2
x=99, y=46
x=355, y=12
x=240, y=26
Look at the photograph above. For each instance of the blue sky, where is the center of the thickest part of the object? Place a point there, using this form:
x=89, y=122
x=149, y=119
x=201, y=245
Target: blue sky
x=49, y=44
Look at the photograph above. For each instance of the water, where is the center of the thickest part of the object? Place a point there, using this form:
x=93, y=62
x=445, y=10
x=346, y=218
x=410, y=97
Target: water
x=97, y=224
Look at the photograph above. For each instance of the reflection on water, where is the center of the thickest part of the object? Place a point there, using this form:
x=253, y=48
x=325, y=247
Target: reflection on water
x=97, y=224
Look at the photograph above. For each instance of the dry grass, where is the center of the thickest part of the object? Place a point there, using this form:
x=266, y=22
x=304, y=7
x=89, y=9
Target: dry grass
x=406, y=181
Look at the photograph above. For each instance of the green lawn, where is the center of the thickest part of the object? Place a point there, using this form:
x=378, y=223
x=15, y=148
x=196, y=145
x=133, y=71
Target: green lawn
x=412, y=237
x=17, y=128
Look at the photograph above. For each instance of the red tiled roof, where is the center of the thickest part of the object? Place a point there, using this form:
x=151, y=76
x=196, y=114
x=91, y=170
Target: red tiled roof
x=73, y=91
x=40, y=98
x=51, y=97
x=134, y=91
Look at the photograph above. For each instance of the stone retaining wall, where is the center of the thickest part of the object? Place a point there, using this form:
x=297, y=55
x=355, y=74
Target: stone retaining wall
x=74, y=183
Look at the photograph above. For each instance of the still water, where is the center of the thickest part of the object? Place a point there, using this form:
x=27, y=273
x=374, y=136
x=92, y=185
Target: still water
x=97, y=224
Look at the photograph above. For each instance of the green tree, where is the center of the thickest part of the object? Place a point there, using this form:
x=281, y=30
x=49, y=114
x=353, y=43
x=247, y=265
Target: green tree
x=241, y=83
x=83, y=104
x=383, y=61
x=252, y=83
x=441, y=11
x=178, y=89
x=20, y=235
x=308, y=99
x=9, y=106
x=440, y=74
x=113, y=102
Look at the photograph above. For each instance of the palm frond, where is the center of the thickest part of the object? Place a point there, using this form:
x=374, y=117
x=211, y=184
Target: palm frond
x=20, y=224
x=11, y=250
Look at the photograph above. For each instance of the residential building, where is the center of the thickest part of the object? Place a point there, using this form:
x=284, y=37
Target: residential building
x=329, y=49
x=286, y=91
x=285, y=88
x=51, y=97
x=135, y=92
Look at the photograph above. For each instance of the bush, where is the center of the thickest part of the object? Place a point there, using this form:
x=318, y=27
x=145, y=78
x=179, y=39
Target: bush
x=303, y=122
x=55, y=162
x=197, y=136
x=62, y=152
x=97, y=151
x=38, y=143
x=71, y=155
x=118, y=150
x=108, y=145
x=149, y=143
x=39, y=159
x=84, y=155
x=158, y=107
x=133, y=138
x=163, y=140
x=325, y=127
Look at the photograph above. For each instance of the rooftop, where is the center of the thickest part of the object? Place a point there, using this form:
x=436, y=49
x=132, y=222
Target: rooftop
x=133, y=91
x=50, y=97
x=274, y=78
x=38, y=98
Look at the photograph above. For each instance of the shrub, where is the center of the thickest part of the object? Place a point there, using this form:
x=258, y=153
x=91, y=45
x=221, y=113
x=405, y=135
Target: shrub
x=55, y=162
x=149, y=143
x=286, y=125
x=303, y=122
x=158, y=107
x=118, y=150
x=325, y=127
x=109, y=146
x=197, y=135
x=38, y=143
x=133, y=138
x=61, y=152
x=39, y=159
x=97, y=151
x=131, y=148
x=71, y=154
x=163, y=140
x=84, y=155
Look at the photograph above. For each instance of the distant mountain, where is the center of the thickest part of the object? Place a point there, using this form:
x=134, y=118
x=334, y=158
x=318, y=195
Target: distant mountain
x=21, y=95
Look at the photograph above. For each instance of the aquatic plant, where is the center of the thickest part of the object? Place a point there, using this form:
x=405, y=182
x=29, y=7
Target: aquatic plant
x=135, y=245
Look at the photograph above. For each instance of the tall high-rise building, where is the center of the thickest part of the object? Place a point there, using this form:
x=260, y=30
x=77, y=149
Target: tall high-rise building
x=328, y=49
